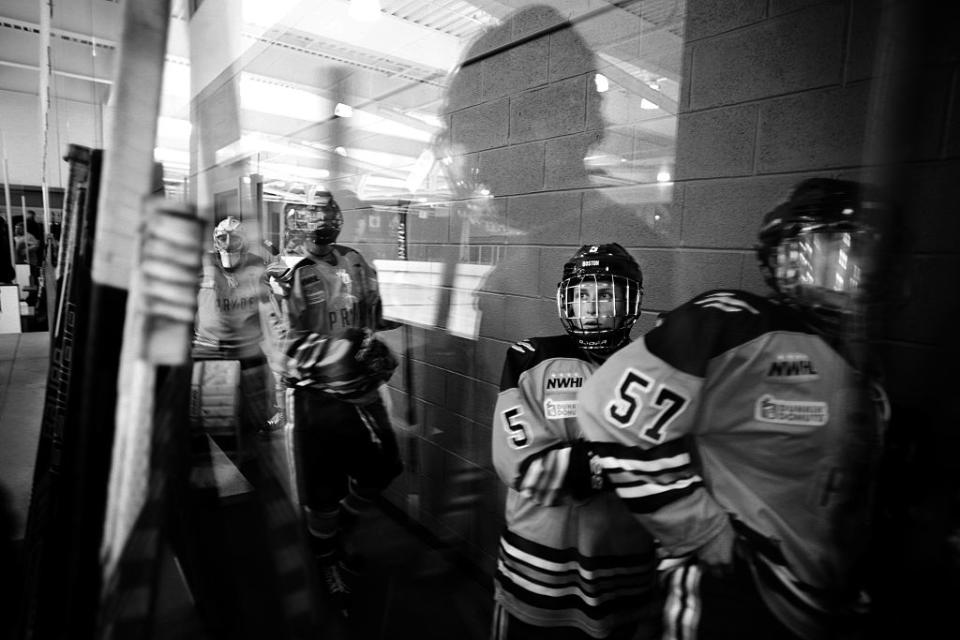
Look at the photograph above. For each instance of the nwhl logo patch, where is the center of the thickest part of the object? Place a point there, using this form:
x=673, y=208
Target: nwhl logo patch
x=565, y=381
x=770, y=409
x=792, y=367
x=560, y=409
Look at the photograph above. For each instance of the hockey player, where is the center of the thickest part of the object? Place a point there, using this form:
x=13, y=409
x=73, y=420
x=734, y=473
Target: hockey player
x=229, y=329
x=743, y=435
x=573, y=562
x=344, y=447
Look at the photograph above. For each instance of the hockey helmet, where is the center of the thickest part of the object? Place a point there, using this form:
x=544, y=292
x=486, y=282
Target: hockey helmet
x=599, y=295
x=818, y=249
x=230, y=241
x=318, y=220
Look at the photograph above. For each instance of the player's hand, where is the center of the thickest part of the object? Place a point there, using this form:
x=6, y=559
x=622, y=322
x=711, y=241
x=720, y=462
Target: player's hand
x=276, y=277
x=716, y=555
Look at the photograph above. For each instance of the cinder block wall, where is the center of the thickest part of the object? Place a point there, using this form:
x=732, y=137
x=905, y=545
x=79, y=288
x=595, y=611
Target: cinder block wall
x=773, y=91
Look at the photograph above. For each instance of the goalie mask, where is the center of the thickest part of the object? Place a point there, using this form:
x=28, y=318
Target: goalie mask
x=317, y=221
x=599, y=297
x=818, y=250
x=230, y=241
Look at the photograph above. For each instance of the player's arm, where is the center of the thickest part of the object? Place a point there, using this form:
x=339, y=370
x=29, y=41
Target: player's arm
x=639, y=411
x=529, y=455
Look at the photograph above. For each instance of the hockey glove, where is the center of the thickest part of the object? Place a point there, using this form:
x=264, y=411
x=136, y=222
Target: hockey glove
x=347, y=365
x=585, y=477
x=279, y=278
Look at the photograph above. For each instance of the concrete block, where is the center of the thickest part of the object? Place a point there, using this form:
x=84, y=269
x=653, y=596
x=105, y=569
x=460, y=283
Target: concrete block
x=547, y=218
x=490, y=355
x=516, y=69
x=924, y=307
x=709, y=17
x=465, y=88
x=863, y=37
x=570, y=55
x=546, y=112
x=524, y=317
x=727, y=213
x=716, y=143
x=427, y=382
x=676, y=276
x=564, y=160
x=751, y=277
x=512, y=274
x=552, y=260
x=425, y=226
x=480, y=220
x=779, y=7
x=640, y=216
x=470, y=398
x=533, y=19
x=513, y=170
x=490, y=306
x=926, y=115
x=483, y=126
x=792, y=53
x=951, y=136
x=813, y=130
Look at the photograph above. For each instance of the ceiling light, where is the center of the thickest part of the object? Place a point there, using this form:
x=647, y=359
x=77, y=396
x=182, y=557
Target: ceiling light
x=365, y=10
x=646, y=104
x=603, y=85
x=343, y=110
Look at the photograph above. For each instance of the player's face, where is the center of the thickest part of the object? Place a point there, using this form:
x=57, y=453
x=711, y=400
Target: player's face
x=597, y=303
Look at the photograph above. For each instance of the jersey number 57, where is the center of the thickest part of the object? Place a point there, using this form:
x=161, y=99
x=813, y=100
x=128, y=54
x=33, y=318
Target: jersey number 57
x=633, y=392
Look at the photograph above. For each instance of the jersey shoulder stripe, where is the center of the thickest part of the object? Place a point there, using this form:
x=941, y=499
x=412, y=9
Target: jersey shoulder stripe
x=713, y=323
x=527, y=354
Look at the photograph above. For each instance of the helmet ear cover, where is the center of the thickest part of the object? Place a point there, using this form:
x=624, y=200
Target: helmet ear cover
x=599, y=297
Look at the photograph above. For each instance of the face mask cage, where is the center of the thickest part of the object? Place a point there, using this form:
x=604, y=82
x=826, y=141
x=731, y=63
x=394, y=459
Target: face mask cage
x=599, y=310
x=320, y=224
x=825, y=267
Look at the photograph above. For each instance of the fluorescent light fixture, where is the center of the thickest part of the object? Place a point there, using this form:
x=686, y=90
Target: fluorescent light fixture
x=365, y=10
x=343, y=110
x=664, y=176
x=603, y=85
x=646, y=104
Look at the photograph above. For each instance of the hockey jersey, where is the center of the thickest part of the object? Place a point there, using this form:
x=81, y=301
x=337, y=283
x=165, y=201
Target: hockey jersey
x=326, y=297
x=733, y=408
x=584, y=563
x=228, y=309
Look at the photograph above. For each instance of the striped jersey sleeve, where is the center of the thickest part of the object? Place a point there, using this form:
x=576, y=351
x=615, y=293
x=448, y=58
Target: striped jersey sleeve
x=531, y=452
x=643, y=403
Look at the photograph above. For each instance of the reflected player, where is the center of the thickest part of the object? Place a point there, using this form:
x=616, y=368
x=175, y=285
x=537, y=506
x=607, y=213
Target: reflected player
x=344, y=446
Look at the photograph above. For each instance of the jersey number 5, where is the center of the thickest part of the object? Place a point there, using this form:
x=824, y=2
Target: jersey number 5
x=516, y=429
x=633, y=387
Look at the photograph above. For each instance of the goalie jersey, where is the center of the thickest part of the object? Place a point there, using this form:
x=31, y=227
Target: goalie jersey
x=733, y=408
x=562, y=561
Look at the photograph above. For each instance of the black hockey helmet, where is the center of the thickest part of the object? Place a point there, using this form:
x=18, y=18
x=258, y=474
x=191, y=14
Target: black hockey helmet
x=599, y=295
x=818, y=248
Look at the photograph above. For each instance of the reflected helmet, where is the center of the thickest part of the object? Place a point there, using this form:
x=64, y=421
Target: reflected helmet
x=599, y=295
x=230, y=241
x=318, y=220
x=818, y=249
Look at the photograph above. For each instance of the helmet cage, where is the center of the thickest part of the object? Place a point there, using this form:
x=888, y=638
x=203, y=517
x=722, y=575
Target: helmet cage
x=230, y=241
x=599, y=325
x=822, y=267
x=319, y=224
